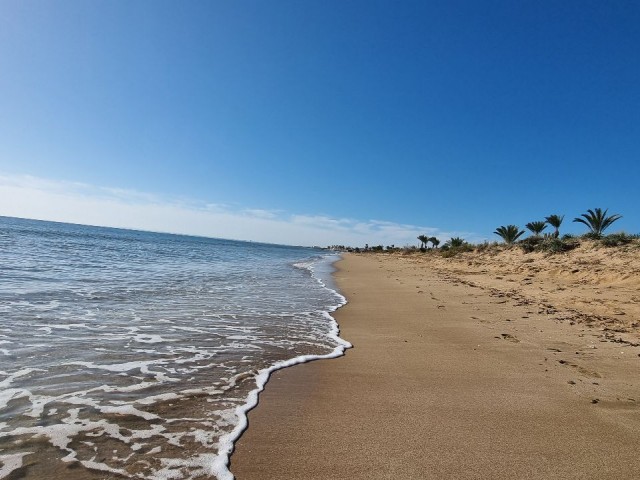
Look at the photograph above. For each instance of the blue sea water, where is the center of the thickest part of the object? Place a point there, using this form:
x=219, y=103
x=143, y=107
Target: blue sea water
x=127, y=354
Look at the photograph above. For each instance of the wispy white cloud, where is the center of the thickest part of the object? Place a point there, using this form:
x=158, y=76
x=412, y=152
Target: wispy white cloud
x=46, y=199
x=260, y=213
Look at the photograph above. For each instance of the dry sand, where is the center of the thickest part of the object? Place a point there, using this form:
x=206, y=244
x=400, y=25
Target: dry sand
x=497, y=366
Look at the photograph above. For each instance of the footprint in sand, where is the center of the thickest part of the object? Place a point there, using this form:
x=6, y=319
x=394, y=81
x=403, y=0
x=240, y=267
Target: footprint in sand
x=587, y=373
x=509, y=337
x=581, y=370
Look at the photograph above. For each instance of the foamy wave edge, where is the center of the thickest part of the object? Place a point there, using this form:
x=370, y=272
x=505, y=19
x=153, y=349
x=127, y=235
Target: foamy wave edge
x=220, y=466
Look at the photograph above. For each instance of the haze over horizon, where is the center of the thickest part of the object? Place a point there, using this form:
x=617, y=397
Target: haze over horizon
x=319, y=123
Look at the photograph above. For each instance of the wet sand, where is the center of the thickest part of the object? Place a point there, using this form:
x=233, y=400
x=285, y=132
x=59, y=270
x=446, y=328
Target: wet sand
x=454, y=377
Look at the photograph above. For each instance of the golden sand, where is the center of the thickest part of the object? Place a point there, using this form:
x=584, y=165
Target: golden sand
x=501, y=366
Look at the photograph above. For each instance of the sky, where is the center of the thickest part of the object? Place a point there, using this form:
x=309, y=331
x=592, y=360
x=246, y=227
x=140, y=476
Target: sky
x=320, y=122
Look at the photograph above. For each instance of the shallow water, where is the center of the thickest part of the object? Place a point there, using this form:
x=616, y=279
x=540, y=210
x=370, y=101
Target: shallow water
x=134, y=354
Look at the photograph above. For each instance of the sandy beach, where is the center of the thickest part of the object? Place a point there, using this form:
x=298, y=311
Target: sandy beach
x=497, y=366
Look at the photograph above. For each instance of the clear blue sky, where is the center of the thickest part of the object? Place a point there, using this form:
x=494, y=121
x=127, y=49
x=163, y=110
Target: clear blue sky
x=455, y=115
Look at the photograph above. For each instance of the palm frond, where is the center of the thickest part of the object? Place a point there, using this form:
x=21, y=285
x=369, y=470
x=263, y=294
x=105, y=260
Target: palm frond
x=509, y=234
x=597, y=220
x=536, y=227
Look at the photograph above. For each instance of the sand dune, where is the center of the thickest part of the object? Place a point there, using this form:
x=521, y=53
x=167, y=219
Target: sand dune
x=591, y=285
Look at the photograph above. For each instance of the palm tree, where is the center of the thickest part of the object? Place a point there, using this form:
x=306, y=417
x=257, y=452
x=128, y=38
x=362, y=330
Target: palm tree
x=434, y=241
x=455, y=242
x=509, y=234
x=423, y=240
x=536, y=227
x=555, y=221
x=597, y=220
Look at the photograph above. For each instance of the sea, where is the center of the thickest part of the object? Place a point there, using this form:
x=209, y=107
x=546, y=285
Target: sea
x=129, y=354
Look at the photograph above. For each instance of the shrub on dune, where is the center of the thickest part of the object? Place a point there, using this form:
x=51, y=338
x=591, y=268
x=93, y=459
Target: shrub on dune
x=618, y=239
x=454, y=246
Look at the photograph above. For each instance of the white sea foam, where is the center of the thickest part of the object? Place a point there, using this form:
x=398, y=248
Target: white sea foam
x=68, y=326
x=149, y=338
x=119, y=367
x=20, y=373
x=11, y=462
x=11, y=394
x=158, y=398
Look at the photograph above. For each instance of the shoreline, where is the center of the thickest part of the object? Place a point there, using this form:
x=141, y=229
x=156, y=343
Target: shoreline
x=220, y=467
x=447, y=380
